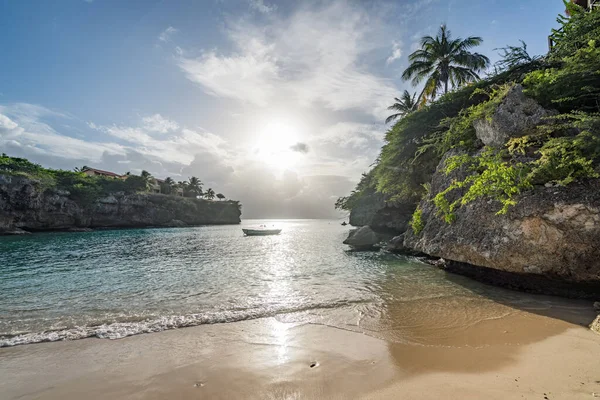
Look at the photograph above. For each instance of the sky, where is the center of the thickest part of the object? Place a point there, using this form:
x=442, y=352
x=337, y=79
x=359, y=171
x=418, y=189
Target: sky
x=279, y=104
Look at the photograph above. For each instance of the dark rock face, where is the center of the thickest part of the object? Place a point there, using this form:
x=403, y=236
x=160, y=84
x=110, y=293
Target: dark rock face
x=366, y=208
x=382, y=217
x=393, y=218
x=25, y=206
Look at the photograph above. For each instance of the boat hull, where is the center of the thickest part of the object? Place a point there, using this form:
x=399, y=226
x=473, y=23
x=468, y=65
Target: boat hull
x=261, y=232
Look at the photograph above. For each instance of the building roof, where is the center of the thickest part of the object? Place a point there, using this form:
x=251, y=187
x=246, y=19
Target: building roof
x=101, y=172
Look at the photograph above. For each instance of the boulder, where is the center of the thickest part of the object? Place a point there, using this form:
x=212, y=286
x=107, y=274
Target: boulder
x=516, y=116
x=362, y=239
x=396, y=245
x=595, y=326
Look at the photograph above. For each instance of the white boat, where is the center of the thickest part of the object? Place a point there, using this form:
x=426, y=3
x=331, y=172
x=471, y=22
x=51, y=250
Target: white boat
x=262, y=230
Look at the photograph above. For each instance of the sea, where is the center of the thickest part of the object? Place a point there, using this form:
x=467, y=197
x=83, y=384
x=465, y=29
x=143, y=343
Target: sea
x=112, y=284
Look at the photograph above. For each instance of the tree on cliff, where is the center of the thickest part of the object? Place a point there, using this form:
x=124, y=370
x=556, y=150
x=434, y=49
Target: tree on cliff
x=403, y=106
x=210, y=194
x=220, y=196
x=147, y=178
x=513, y=56
x=167, y=186
x=193, y=188
x=443, y=61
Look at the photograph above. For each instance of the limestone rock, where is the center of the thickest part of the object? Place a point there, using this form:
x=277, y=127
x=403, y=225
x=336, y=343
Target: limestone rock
x=362, y=239
x=516, y=116
x=595, y=326
x=549, y=242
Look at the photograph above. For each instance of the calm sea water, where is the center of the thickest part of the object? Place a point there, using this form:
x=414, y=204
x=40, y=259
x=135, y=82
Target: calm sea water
x=117, y=283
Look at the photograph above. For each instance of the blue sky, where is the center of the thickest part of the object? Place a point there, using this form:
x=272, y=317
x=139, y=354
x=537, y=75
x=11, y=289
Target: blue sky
x=226, y=89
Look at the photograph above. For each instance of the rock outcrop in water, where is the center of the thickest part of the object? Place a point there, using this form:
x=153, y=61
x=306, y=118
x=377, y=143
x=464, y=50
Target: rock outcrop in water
x=26, y=206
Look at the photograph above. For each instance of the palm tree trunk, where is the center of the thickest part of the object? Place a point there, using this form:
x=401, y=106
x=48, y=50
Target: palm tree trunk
x=446, y=86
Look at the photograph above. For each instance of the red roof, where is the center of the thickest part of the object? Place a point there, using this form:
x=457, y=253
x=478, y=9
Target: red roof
x=101, y=172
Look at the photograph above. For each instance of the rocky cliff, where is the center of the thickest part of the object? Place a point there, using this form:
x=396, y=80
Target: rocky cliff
x=548, y=242
x=26, y=206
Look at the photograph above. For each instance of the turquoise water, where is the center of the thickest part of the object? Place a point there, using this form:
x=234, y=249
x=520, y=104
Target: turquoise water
x=117, y=283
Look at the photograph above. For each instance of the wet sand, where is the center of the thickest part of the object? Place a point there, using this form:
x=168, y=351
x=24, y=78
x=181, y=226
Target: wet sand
x=523, y=355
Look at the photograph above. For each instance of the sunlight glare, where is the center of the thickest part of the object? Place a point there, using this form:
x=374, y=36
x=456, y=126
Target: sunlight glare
x=275, y=142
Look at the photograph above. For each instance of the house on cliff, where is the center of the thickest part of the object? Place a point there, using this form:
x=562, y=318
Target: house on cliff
x=155, y=185
x=98, y=172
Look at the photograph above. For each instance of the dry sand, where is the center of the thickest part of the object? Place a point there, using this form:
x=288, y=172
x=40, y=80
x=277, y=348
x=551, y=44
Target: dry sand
x=521, y=356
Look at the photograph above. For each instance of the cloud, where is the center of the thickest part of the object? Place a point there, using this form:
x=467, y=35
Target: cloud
x=157, y=123
x=246, y=77
x=23, y=126
x=260, y=6
x=300, y=147
x=313, y=58
x=165, y=36
x=396, y=52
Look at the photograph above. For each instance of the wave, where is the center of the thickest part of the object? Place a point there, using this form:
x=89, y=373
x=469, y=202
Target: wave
x=118, y=330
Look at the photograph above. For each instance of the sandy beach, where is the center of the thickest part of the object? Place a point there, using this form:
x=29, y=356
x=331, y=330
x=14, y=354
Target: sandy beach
x=521, y=356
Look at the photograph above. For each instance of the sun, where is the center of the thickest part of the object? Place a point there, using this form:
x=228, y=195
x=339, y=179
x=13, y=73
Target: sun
x=275, y=143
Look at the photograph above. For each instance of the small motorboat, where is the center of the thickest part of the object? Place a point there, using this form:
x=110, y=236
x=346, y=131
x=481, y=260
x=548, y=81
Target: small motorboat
x=262, y=230
x=344, y=223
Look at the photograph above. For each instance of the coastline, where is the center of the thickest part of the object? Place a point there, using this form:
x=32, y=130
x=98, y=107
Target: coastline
x=522, y=355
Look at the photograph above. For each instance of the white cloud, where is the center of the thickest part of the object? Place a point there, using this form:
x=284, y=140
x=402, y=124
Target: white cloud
x=247, y=77
x=157, y=123
x=26, y=129
x=165, y=36
x=260, y=6
x=396, y=52
x=313, y=57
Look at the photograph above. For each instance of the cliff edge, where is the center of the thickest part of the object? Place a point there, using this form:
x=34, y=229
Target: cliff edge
x=25, y=205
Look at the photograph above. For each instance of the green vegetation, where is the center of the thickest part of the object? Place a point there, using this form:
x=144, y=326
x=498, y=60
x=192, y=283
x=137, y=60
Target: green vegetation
x=513, y=56
x=563, y=150
x=416, y=222
x=86, y=189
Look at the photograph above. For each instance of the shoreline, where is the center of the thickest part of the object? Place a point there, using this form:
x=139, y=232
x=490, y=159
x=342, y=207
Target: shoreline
x=521, y=355
x=88, y=229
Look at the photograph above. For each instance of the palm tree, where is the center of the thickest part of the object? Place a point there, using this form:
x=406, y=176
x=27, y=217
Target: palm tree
x=147, y=178
x=167, y=186
x=210, y=194
x=194, y=186
x=403, y=105
x=220, y=196
x=442, y=61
